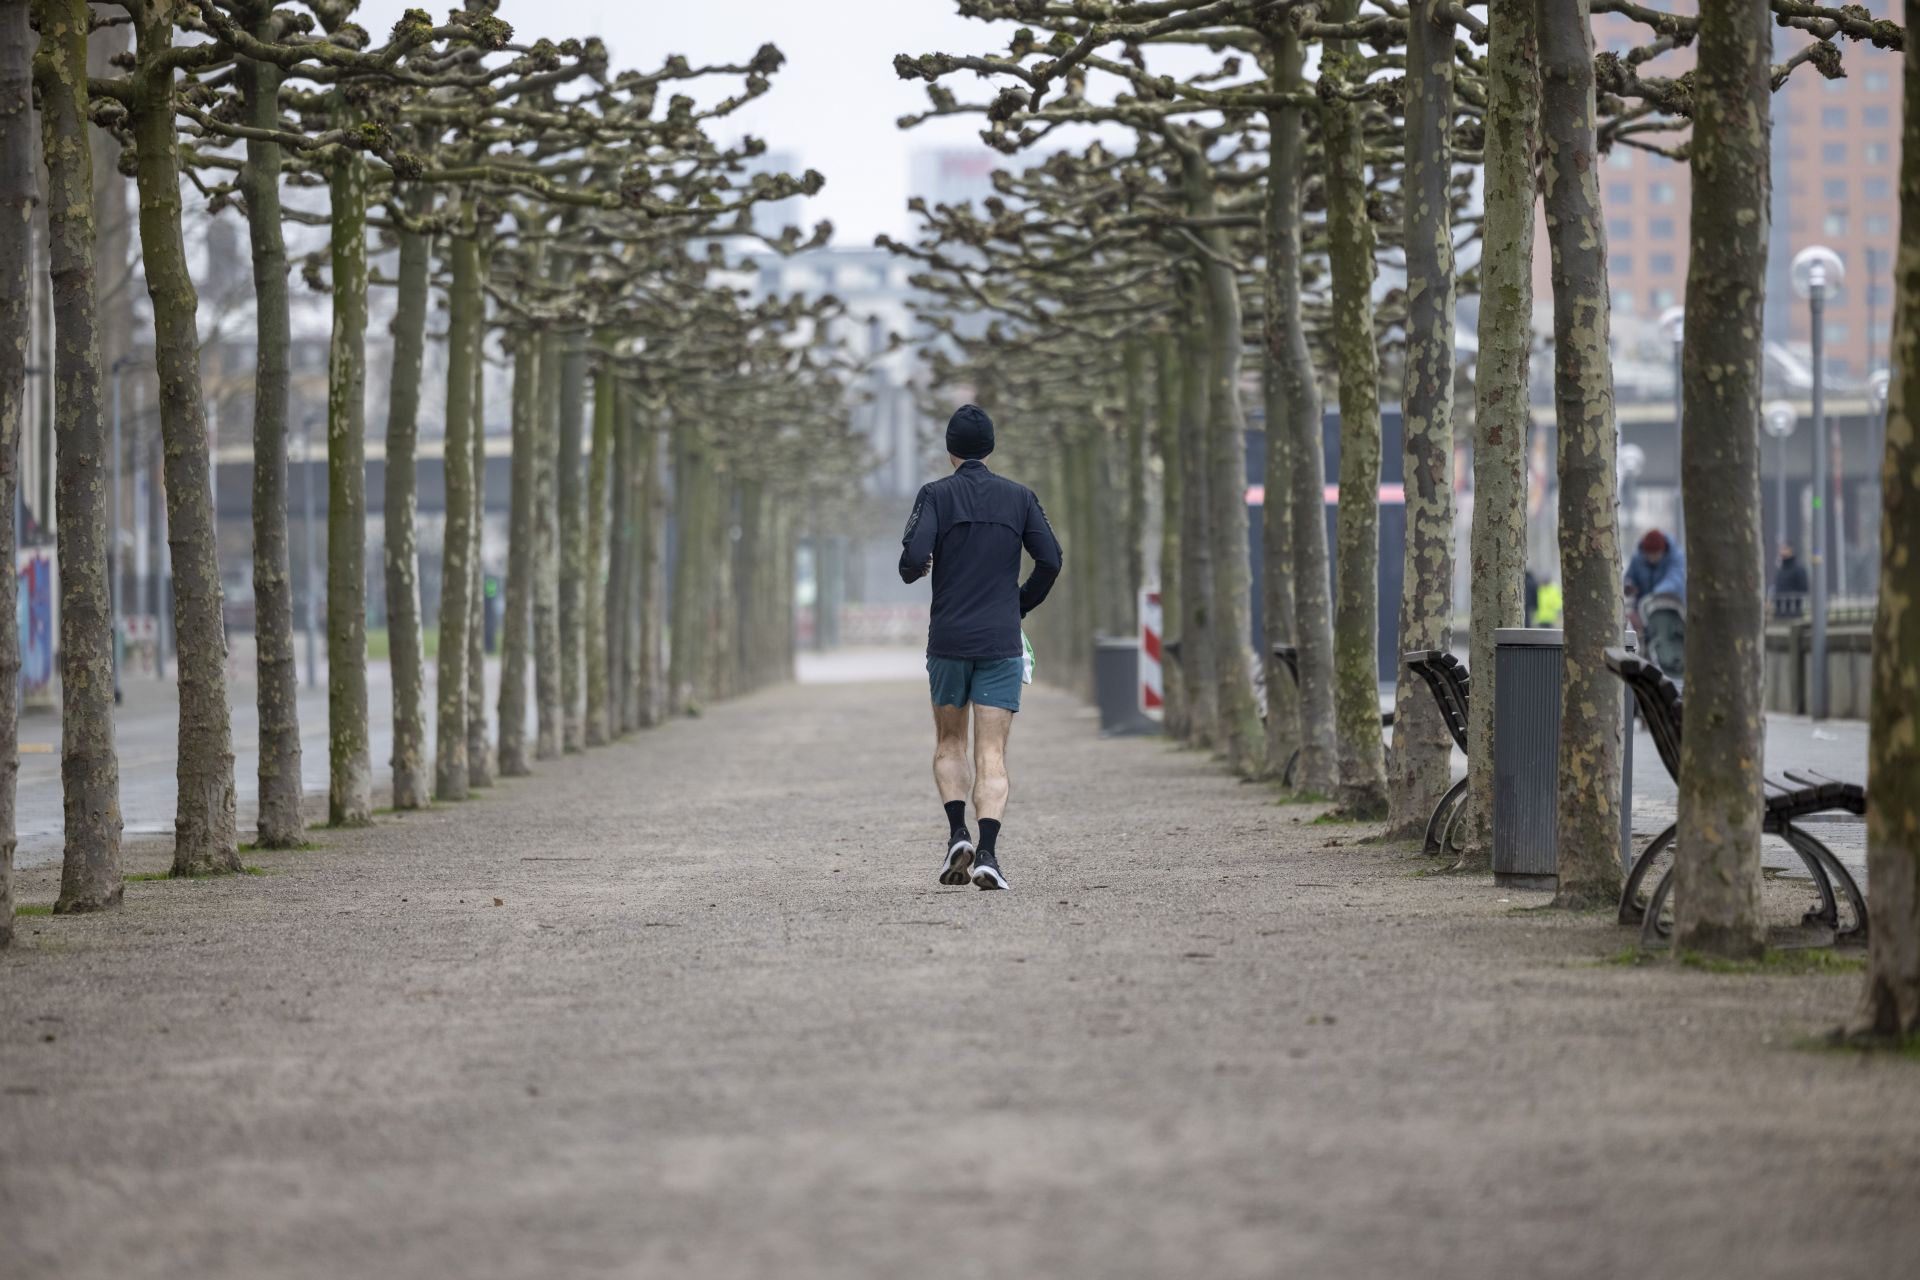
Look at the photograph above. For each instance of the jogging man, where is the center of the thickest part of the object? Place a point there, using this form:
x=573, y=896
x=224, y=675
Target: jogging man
x=968, y=529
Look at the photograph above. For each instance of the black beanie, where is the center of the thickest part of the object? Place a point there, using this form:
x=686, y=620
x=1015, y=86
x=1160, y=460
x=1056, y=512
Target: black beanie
x=970, y=432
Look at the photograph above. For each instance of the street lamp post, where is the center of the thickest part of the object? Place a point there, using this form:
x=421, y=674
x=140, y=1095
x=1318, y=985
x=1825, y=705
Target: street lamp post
x=1779, y=419
x=1877, y=386
x=306, y=502
x=115, y=588
x=1673, y=322
x=1815, y=269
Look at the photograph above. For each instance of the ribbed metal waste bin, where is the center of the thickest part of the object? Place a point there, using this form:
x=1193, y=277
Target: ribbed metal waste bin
x=1116, y=686
x=1526, y=756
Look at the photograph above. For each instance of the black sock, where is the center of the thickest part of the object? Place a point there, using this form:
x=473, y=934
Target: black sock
x=956, y=817
x=989, y=832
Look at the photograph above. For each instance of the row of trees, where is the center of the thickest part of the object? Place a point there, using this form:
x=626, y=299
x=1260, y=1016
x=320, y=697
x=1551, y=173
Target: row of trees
x=572, y=218
x=1113, y=292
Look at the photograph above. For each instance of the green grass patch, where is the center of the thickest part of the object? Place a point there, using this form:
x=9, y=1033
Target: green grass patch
x=141, y=877
x=34, y=909
x=380, y=643
x=305, y=846
x=1781, y=960
x=1289, y=796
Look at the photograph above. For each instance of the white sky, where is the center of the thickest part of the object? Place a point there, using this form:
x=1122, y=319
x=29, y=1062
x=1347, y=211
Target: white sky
x=834, y=104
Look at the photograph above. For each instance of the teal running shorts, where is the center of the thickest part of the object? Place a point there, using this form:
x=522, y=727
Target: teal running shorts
x=991, y=682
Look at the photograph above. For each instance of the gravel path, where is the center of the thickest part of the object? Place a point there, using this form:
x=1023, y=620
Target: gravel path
x=722, y=1022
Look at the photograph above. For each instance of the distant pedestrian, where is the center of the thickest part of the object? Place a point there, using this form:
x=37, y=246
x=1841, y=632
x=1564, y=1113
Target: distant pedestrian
x=968, y=530
x=1656, y=588
x=1790, y=584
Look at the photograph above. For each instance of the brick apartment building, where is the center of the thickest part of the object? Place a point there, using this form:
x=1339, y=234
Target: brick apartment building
x=1836, y=157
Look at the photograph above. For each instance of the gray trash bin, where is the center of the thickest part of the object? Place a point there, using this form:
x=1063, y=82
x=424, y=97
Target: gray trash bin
x=1116, y=686
x=1526, y=756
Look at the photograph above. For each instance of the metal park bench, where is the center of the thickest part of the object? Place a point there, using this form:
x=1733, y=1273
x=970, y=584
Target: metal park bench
x=1791, y=795
x=1289, y=656
x=1447, y=676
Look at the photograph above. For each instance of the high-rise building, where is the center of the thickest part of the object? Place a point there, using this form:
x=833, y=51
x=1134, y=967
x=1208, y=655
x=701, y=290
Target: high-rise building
x=1836, y=159
x=954, y=175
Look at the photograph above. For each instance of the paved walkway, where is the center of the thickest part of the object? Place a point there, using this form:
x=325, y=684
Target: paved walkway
x=694, y=1006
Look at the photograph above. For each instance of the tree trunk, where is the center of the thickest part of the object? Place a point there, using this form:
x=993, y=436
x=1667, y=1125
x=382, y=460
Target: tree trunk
x=651, y=598
x=1299, y=484
x=1276, y=579
x=546, y=554
x=516, y=631
x=1166, y=436
x=450, y=772
x=1241, y=738
x=1362, y=772
x=1134, y=433
x=1717, y=860
x=411, y=785
x=1498, y=551
x=89, y=769
x=1890, y=1003
x=1590, y=702
x=684, y=646
x=204, y=839
x=1196, y=657
x=479, y=742
x=282, y=825
x=1422, y=748
x=593, y=622
x=618, y=604
x=350, y=771
x=18, y=194
x=571, y=493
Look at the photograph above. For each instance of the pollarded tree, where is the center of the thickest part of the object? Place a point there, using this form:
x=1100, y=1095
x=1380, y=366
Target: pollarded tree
x=1890, y=1003
x=18, y=194
x=90, y=876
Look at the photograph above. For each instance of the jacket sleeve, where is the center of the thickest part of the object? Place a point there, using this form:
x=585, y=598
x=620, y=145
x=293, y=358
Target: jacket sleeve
x=916, y=545
x=1037, y=537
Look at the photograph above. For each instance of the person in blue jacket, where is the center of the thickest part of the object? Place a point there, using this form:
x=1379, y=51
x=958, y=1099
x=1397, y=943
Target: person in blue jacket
x=1659, y=569
x=968, y=530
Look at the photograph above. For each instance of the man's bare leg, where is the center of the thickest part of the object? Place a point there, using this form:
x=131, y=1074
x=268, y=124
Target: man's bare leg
x=990, y=728
x=951, y=776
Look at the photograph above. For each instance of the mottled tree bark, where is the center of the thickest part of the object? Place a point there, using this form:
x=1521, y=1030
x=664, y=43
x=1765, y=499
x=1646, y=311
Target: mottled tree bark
x=406, y=652
x=479, y=742
x=622, y=711
x=349, y=754
x=204, y=835
x=650, y=602
x=1890, y=1003
x=516, y=631
x=450, y=773
x=546, y=554
x=1241, y=738
x=1590, y=703
x=1362, y=786
x=1422, y=748
x=1498, y=550
x=1134, y=435
x=18, y=195
x=688, y=611
x=593, y=621
x=1276, y=578
x=282, y=824
x=1195, y=637
x=1166, y=435
x=1717, y=860
x=1294, y=437
x=89, y=769
x=570, y=493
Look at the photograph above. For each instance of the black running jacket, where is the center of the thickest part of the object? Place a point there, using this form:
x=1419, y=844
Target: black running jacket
x=969, y=528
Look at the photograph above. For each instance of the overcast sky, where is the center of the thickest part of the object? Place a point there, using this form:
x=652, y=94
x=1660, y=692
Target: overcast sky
x=833, y=105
